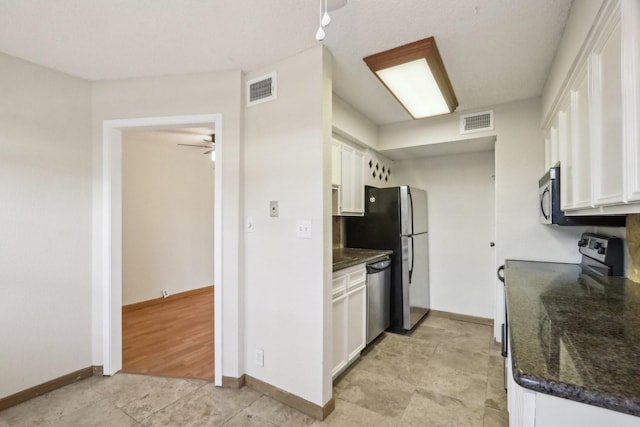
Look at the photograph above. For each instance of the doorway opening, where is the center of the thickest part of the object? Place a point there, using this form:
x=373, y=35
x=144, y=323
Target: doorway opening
x=112, y=227
x=167, y=252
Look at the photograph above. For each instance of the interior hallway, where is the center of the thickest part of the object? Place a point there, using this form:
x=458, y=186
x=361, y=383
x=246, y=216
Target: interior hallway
x=174, y=338
x=448, y=373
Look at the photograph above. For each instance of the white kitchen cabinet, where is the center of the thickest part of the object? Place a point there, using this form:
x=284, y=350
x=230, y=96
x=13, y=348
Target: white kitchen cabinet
x=594, y=128
x=605, y=102
x=349, y=316
x=336, y=163
x=340, y=325
x=565, y=143
x=352, y=189
x=580, y=149
x=631, y=102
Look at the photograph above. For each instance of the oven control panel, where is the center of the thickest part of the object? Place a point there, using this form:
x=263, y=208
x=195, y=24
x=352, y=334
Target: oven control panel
x=605, y=249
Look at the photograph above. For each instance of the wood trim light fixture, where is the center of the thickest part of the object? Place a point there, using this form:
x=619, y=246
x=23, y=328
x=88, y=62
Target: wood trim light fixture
x=416, y=77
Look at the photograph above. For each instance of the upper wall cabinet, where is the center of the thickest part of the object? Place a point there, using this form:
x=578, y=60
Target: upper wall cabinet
x=336, y=163
x=605, y=95
x=631, y=104
x=352, y=191
x=347, y=178
x=593, y=129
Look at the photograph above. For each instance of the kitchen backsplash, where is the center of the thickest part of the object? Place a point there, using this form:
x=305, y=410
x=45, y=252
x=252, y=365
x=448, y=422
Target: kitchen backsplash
x=338, y=232
x=633, y=247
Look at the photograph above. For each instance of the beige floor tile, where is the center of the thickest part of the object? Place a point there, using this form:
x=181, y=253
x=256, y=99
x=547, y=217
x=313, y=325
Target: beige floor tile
x=428, y=408
x=244, y=419
x=141, y=395
x=272, y=411
x=99, y=414
x=348, y=414
x=3, y=423
x=207, y=406
x=496, y=396
x=53, y=406
x=470, y=389
x=403, y=367
x=494, y=418
x=463, y=359
x=384, y=394
x=407, y=346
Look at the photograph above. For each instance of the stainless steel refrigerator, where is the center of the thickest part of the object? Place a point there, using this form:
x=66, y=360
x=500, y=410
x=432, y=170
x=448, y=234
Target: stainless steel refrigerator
x=396, y=218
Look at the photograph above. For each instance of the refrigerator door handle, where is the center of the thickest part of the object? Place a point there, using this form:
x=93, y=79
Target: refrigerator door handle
x=412, y=259
x=410, y=197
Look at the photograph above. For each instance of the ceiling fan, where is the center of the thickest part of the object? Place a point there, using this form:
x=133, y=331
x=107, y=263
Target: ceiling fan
x=209, y=144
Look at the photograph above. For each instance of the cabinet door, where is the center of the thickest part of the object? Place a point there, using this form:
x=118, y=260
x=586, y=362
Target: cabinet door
x=580, y=142
x=631, y=84
x=339, y=334
x=566, y=160
x=606, y=115
x=358, y=182
x=336, y=163
x=357, y=322
x=346, y=195
x=352, y=191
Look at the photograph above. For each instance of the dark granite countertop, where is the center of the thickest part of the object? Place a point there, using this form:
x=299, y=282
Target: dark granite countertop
x=575, y=336
x=348, y=257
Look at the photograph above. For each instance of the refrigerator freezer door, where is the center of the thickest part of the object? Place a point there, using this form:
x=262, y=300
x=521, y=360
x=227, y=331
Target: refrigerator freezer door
x=413, y=211
x=418, y=202
x=405, y=212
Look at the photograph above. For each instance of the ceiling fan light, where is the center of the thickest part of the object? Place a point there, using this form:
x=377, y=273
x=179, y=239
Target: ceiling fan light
x=213, y=156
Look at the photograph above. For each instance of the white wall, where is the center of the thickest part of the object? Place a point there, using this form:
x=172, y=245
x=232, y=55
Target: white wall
x=202, y=93
x=351, y=124
x=287, y=159
x=45, y=232
x=167, y=216
x=460, y=192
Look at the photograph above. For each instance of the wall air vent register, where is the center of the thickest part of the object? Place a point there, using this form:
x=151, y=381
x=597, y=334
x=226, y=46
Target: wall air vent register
x=261, y=89
x=476, y=122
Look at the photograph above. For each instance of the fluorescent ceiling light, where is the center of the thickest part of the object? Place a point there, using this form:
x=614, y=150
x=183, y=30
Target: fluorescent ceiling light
x=415, y=75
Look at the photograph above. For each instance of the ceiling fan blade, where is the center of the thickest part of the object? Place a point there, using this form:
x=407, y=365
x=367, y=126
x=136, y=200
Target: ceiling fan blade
x=196, y=145
x=208, y=151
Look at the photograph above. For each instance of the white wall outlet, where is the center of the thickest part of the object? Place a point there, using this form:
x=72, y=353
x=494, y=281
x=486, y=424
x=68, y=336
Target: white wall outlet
x=273, y=208
x=165, y=293
x=303, y=229
x=260, y=357
x=250, y=228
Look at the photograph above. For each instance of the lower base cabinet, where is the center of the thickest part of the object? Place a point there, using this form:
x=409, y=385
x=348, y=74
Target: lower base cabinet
x=528, y=408
x=349, y=316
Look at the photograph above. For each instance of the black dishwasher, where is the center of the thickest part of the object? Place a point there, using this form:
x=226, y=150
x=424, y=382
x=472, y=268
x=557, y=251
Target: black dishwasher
x=378, y=297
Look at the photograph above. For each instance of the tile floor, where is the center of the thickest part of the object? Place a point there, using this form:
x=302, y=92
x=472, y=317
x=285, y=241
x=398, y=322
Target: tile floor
x=447, y=373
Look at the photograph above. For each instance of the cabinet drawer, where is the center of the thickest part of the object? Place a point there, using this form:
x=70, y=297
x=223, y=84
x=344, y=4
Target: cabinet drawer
x=357, y=278
x=339, y=284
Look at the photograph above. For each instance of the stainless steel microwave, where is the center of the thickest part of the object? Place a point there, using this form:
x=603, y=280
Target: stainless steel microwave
x=551, y=213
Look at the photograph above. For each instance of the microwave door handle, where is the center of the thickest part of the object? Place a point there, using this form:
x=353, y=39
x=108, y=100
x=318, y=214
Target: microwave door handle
x=544, y=214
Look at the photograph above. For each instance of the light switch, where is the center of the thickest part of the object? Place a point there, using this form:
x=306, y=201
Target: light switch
x=273, y=208
x=303, y=229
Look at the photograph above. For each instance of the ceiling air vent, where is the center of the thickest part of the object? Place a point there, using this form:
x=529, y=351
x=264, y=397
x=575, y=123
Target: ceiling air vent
x=261, y=89
x=476, y=122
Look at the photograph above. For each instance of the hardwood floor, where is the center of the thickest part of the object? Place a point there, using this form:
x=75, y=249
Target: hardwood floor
x=172, y=339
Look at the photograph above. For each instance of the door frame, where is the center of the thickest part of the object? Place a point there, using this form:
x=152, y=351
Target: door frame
x=111, y=231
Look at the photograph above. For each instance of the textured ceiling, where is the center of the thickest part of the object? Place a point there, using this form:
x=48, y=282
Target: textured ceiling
x=494, y=50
